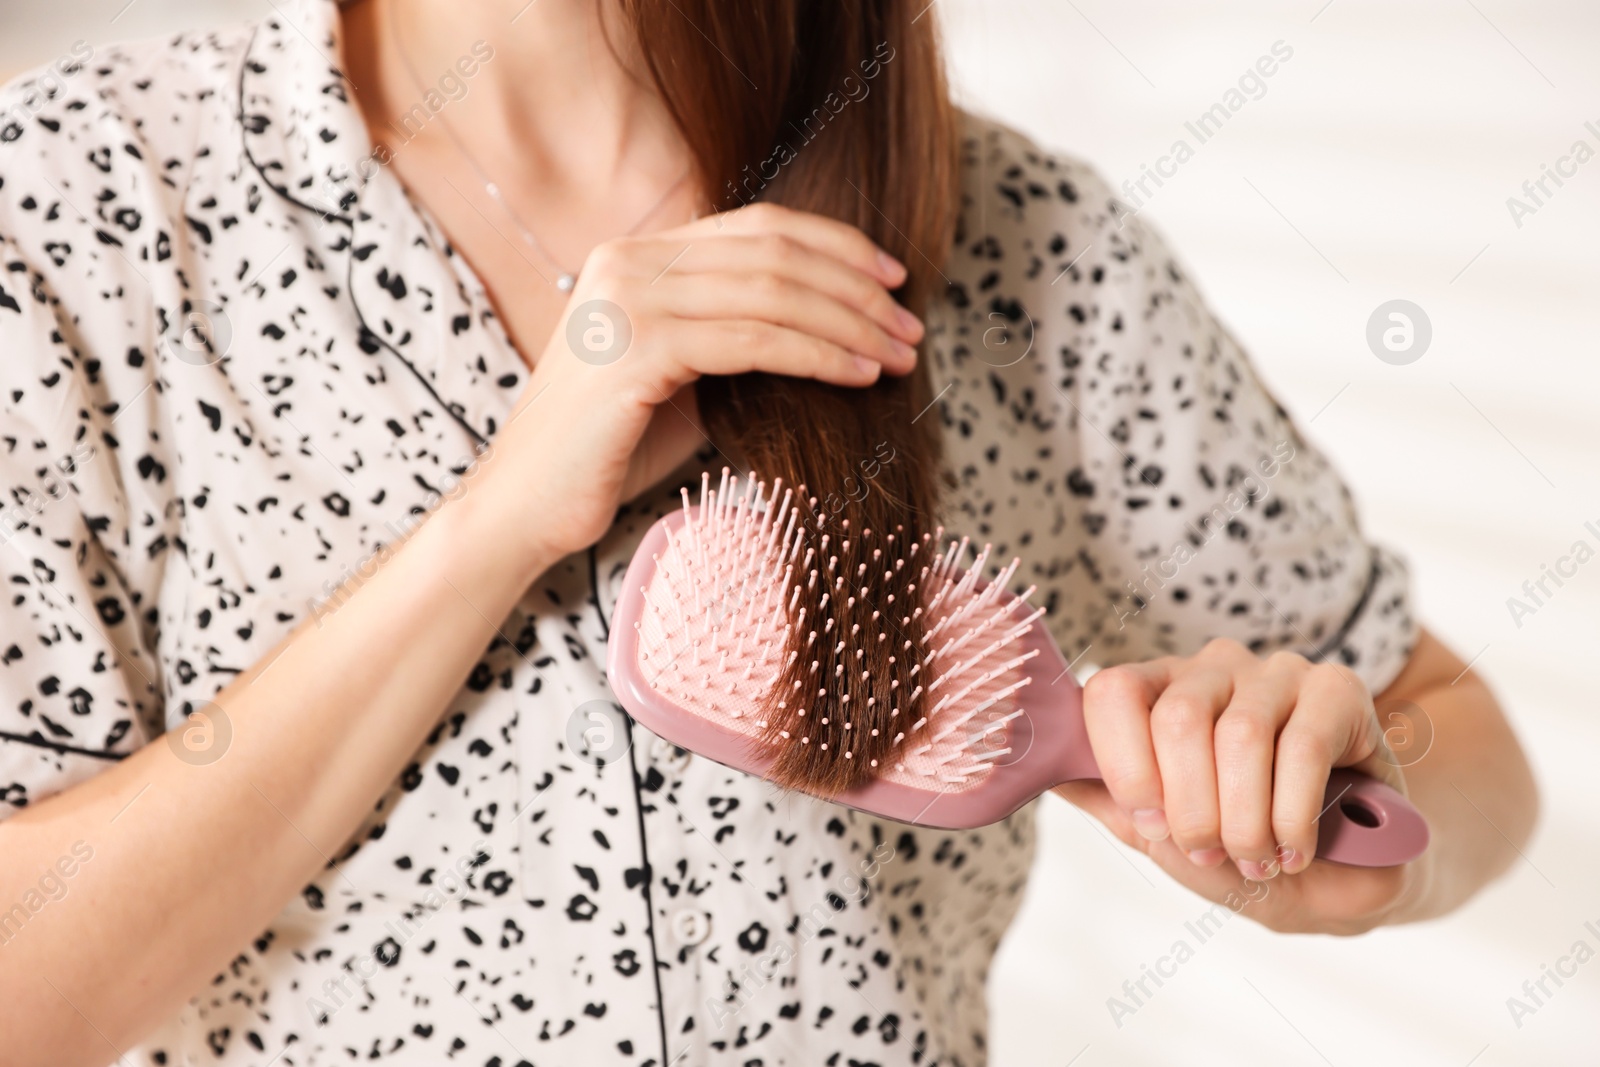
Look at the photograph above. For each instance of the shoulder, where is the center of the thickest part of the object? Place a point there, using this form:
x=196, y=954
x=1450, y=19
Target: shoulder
x=99, y=153
x=1042, y=241
x=145, y=85
x=100, y=136
x=100, y=150
x=1025, y=208
x=1046, y=258
x=1001, y=165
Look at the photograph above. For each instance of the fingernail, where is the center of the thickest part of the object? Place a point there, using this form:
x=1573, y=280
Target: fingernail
x=891, y=267
x=1288, y=859
x=868, y=368
x=907, y=353
x=1252, y=870
x=1151, y=824
x=1207, y=857
x=909, y=322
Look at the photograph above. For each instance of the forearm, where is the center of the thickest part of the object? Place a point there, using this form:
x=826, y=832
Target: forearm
x=200, y=858
x=1473, y=783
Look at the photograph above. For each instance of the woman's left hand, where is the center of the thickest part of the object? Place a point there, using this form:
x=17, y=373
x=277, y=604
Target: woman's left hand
x=1215, y=767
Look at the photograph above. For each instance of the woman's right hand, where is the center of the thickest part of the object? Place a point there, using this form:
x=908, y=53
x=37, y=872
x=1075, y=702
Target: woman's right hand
x=608, y=411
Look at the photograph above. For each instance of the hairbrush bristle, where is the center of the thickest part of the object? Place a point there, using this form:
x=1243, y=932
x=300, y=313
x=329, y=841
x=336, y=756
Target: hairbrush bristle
x=857, y=657
x=726, y=575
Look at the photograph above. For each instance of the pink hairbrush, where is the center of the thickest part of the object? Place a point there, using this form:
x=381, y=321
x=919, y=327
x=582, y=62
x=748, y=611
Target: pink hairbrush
x=702, y=627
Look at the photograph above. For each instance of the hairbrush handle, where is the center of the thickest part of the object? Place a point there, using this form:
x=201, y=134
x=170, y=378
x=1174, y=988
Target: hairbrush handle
x=1368, y=823
x=964, y=772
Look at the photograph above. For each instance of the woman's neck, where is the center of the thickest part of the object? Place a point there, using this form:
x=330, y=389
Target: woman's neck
x=555, y=117
x=578, y=150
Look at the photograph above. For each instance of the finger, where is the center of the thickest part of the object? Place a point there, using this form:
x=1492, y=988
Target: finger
x=784, y=302
x=1093, y=798
x=1246, y=737
x=1116, y=712
x=1181, y=725
x=777, y=253
x=1332, y=726
x=1222, y=883
x=830, y=236
x=737, y=346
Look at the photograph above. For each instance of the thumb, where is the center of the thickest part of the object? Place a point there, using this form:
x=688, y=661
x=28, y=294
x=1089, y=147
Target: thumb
x=1093, y=798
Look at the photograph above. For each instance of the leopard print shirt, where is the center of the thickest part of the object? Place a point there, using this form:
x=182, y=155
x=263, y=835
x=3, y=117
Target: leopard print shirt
x=237, y=359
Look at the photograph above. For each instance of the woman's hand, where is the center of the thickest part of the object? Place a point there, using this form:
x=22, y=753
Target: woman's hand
x=608, y=410
x=1215, y=767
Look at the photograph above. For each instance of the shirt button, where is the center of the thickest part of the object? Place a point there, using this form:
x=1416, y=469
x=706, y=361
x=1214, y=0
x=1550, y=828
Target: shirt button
x=690, y=926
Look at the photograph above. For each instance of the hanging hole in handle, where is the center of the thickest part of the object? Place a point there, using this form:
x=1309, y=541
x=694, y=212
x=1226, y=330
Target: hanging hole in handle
x=1359, y=813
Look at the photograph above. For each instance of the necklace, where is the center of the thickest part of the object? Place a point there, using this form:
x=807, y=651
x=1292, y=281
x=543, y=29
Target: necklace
x=565, y=279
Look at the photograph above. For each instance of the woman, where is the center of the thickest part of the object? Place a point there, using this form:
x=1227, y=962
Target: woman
x=305, y=745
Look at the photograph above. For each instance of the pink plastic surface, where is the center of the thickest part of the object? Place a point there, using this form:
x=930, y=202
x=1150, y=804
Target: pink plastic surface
x=1366, y=823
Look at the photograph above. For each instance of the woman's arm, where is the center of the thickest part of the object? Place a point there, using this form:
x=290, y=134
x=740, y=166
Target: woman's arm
x=1216, y=764
x=1470, y=777
x=1195, y=510
x=190, y=861
x=200, y=857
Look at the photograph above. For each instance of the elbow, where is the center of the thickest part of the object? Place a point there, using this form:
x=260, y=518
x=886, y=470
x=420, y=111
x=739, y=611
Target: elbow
x=1529, y=803
x=1512, y=804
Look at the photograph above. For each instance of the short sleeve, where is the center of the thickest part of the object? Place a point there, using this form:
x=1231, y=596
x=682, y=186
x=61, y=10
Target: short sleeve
x=79, y=688
x=1157, y=493
x=1207, y=513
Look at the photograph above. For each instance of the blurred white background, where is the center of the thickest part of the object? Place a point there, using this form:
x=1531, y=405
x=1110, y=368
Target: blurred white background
x=1376, y=166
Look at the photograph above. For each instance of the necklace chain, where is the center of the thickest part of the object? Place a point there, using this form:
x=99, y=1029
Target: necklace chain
x=565, y=279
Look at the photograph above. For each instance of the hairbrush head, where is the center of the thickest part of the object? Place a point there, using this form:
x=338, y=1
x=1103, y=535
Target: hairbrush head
x=713, y=650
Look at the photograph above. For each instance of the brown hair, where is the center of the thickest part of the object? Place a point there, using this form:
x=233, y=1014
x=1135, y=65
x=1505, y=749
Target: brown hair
x=837, y=107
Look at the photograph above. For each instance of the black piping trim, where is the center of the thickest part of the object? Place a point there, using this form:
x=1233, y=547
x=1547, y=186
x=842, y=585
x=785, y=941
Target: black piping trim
x=39, y=742
x=1336, y=642
x=244, y=140
x=422, y=379
x=638, y=808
